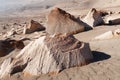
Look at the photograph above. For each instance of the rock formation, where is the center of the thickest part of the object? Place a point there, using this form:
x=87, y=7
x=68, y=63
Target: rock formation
x=6, y=46
x=94, y=18
x=59, y=21
x=48, y=54
x=113, y=19
x=32, y=27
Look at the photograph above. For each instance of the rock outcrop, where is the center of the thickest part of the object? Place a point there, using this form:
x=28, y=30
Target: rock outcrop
x=32, y=27
x=48, y=54
x=94, y=18
x=59, y=21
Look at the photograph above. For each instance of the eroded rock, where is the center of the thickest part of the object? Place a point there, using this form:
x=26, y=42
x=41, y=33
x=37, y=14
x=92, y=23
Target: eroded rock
x=48, y=54
x=10, y=33
x=108, y=35
x=113, y=19
x=94, y=18
x=32, y=27
x=59, y=21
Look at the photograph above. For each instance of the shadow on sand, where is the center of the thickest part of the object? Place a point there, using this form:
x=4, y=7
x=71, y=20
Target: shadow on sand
x=99, y=56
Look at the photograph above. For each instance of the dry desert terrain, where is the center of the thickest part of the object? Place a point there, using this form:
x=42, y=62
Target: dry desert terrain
x=106, y=52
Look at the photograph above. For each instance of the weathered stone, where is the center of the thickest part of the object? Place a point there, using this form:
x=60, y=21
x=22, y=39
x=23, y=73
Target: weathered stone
x=59, y=21
x=49, y=54
x=94, y=18
x=112, y=19
x=32, y=27
x=10, y=33
x=109, y=35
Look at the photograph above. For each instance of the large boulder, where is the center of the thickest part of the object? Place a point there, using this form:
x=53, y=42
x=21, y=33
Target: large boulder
x=59, y=21
x=48, y=54
x=32, y=27
x=94, y=18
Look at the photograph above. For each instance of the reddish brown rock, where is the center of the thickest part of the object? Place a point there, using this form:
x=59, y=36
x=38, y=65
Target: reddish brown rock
x=8, y=45
x=32, y=27
x=59, y=21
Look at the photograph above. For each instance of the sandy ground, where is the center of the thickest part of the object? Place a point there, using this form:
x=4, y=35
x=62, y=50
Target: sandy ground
x=106, y=65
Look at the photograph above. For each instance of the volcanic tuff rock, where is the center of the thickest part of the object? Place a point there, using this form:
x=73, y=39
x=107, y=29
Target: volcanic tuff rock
x=48, y=54
x=59, y=21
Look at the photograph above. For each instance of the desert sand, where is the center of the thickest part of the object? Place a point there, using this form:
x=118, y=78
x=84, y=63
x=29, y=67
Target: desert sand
x=106, y=53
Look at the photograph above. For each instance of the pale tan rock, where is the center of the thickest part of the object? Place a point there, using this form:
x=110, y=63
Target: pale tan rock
x=116, y=32
x=32, y=27
x=49, y=54
x=93, y=18
x=109, y=35
x=59, y=21
x=5, y=68
x=106, y=35
x=10, y=33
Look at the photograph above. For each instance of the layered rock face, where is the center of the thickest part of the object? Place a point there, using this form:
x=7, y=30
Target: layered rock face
x=93, y=18
x=32, y=27
x=59, y=21
x=48, y=54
